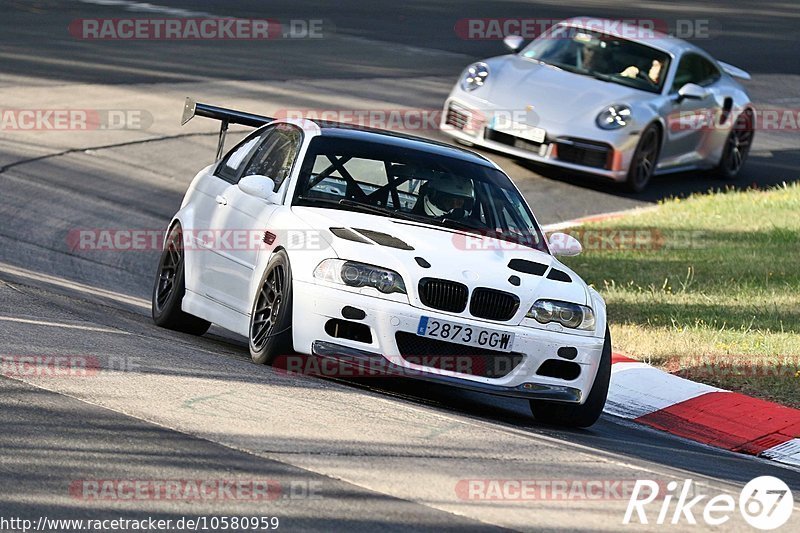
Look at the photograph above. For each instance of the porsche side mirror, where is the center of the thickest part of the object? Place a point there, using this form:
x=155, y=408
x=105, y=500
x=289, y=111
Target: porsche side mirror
x=565, y=245
x=260, y=187
x=692, y=91
x=513, y=42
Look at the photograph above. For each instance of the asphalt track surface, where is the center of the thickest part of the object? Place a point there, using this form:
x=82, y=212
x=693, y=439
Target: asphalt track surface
x=382, y=455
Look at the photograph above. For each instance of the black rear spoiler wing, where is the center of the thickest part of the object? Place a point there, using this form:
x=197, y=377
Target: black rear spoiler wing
x=192, y=108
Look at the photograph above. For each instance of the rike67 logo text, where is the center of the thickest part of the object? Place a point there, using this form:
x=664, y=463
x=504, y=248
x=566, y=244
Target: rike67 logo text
x=765, y=503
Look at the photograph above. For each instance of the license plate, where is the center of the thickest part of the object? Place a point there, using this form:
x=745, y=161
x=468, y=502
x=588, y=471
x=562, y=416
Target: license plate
x=491, y=339
x=523, y=131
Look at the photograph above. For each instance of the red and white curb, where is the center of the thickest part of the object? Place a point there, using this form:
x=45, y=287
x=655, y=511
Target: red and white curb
x=695, y=411
x=702, y=413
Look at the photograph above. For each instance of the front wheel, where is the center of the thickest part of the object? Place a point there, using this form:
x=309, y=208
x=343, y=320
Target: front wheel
x=586, y=414
x=645, y=158
x=271, y=316
x=737, y=147
x=170, y=288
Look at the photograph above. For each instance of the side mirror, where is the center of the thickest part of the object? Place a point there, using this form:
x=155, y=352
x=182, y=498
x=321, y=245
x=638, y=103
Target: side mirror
x=692, y=91
x=563, y=244
x=513, y=42
x=260, y=187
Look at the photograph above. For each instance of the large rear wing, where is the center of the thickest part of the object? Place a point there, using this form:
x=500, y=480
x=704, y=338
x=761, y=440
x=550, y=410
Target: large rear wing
x=225, y=116
x=736, y=72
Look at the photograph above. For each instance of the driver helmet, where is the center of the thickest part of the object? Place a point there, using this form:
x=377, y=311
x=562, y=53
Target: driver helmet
x=447, y=193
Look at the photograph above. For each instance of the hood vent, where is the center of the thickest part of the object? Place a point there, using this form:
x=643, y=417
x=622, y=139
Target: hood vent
x=527, y=267
x=384, y=239
x=559, y=275
x=349, y=235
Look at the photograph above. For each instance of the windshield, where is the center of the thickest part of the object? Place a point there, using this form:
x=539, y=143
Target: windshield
x=416, y=186
x=603, y=56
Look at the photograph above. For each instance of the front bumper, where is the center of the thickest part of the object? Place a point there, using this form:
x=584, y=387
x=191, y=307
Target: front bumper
x=593, y=151
x=315, y=305
x=369, y=360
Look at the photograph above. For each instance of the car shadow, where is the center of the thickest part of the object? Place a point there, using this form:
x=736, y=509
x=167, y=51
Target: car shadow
x=762, y=170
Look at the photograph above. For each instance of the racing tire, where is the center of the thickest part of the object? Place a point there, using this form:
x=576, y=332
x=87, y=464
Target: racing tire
x=586, y=414
x=270, y=331
x=645, y=158
x=170, y=287
x=737, y=147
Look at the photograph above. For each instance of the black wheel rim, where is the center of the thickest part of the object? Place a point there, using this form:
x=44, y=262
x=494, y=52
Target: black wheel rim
x=268, y=306
x=646, y=158
x=171, y=263
x=739, y=142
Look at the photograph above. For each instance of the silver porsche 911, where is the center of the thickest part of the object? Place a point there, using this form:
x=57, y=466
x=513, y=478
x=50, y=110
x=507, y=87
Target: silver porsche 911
x=606, y=99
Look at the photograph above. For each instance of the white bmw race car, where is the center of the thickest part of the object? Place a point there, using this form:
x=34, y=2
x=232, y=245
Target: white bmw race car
x=383, y=250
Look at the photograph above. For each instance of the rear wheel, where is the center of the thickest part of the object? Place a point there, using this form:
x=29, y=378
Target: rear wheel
x=170, y=288
x=586, y=414
x=737, y=147
x=271, y=316
x=645, y=158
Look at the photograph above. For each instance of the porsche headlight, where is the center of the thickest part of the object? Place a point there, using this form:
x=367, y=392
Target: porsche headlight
x=614, y=117
x=569, y=315
x=475, y=76
x=354, y=274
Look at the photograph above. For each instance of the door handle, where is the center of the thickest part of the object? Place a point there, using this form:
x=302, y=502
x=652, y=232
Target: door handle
x=221, y=200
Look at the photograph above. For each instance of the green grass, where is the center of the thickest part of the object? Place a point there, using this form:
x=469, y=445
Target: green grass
x=706, y=287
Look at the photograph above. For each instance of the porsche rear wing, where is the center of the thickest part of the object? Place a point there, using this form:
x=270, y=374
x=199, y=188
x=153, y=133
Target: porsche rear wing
x=736, y=72
x=192, y=108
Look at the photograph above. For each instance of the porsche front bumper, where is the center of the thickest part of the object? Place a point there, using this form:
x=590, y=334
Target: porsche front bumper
x=588, y=150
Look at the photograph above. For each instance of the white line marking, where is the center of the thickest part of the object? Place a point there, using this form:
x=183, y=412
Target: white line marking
x=60, y=325
x=788, y=452
x=74, y=285
x=142, y=7
x=600, y=217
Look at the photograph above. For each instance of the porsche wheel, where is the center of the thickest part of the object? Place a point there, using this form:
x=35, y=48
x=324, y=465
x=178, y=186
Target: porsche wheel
x=170, y=287
x=582, y=416
x=271, y=316
x=737, y=147
x=645, y=158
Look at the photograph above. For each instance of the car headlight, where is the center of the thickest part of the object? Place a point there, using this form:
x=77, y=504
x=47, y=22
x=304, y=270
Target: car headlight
x=569, y=315
x=614, y=117
x=475, y=76
x=354, y=274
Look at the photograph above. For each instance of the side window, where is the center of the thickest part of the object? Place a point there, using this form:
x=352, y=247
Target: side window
x=710, y=72
x=696, y=69
x=228, y=169
x=276, y=155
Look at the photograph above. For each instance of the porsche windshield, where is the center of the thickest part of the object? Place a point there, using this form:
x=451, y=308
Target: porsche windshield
x=414, y=185
x=603, y=56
